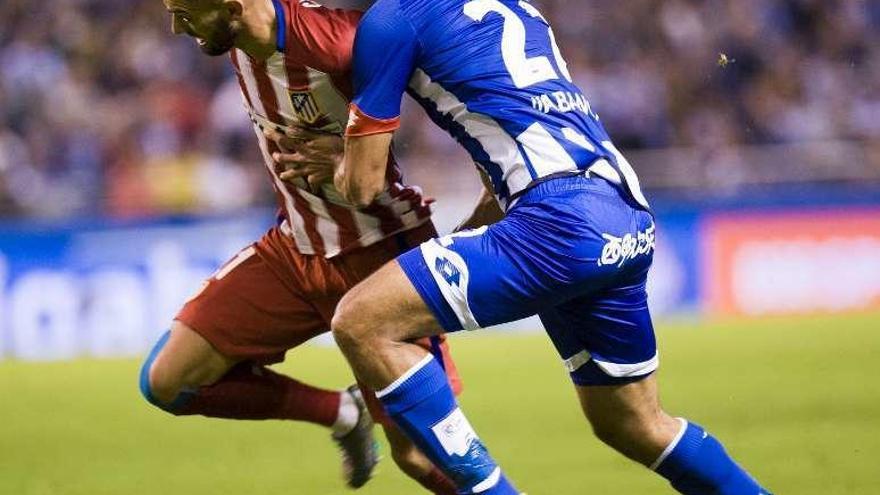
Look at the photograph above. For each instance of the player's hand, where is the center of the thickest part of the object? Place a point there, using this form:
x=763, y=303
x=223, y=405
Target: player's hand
x=307, y=155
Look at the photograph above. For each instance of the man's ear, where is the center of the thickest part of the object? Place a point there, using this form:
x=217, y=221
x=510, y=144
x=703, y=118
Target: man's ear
x=234, y=8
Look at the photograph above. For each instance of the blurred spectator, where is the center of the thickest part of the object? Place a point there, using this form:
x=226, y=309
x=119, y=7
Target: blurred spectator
x=99, y=100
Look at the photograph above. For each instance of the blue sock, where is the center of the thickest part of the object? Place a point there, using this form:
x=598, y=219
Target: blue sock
x=144, y=382
x=695, y=463
x=422, y=404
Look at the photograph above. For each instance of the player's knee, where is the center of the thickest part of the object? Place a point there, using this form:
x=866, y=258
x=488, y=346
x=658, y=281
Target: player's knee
x=349, y=329
x=163, y=388
x=627, y=434
x=158, y=388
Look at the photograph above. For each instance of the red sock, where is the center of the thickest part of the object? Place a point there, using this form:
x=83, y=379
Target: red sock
x=249, y=391
x=436, y=482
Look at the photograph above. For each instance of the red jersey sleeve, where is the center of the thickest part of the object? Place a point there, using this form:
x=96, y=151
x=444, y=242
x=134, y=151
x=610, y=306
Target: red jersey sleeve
x=319, y=37
x=361, y=124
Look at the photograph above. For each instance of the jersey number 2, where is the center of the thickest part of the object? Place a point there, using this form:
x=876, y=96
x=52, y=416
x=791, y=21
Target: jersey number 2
x=523, y=70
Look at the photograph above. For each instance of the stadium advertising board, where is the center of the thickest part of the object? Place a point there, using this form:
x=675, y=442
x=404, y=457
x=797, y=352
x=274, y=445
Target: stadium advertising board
x=108, y=290
x=105, y=290
x=766, y=263
x=673, y=280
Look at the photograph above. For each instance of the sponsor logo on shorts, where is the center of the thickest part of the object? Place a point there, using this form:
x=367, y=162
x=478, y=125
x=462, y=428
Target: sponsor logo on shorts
x=619, y=250
x=450, y=273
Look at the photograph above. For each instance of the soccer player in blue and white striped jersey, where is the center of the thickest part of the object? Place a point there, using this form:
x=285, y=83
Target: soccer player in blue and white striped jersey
x=574, y=245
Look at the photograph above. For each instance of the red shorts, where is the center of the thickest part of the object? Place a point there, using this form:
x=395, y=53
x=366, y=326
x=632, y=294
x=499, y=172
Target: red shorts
x=269, y=298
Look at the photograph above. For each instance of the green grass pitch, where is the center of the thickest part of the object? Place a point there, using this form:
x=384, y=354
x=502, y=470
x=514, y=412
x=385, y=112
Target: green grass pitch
x=796, y=400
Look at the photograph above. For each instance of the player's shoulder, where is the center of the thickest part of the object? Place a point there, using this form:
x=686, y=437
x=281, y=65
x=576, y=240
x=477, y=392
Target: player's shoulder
x=418, y=16
x=411, y=10
x=309, y=19
x=393, y=18
x=318, y=36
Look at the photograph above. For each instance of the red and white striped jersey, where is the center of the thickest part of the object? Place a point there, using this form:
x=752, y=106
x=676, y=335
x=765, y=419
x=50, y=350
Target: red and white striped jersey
x=308, y=85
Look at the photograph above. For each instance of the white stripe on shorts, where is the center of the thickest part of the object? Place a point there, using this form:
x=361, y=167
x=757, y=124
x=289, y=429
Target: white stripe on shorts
x=616, y=370
x=455, y=294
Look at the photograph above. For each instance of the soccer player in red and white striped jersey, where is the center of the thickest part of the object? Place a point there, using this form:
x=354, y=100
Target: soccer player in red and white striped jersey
x=306, y=84
x=293, y=62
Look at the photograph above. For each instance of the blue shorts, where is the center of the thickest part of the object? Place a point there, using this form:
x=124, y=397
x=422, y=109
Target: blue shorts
x=574, y=251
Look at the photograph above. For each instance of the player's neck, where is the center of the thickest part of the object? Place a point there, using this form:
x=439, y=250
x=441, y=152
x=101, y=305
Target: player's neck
x=257, y=39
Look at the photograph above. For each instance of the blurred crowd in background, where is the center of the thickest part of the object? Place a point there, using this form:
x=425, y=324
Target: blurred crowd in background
x=104, y=112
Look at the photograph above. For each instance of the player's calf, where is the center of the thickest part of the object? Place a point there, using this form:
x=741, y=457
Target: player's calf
x=418, y=467
x=629, y=419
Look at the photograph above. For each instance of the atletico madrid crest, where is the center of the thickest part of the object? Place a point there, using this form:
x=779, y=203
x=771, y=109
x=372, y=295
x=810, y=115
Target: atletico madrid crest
x=305, y=106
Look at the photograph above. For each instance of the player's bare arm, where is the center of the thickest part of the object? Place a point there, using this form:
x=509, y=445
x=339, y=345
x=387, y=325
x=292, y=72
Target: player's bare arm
x=361, y=176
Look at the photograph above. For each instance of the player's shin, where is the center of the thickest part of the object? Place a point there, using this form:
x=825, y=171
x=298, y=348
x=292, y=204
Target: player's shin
x=695, y=463
x=423, y=405
x=248, y=391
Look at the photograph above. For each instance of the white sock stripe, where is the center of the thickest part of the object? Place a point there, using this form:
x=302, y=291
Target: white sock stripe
x=489, y=482
x=671, y=446
x=404, y=377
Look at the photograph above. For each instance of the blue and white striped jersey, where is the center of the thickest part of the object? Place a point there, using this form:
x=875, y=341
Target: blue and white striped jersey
x=491, y=74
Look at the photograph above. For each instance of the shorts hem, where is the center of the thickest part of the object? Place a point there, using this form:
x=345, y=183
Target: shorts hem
x=590, y=375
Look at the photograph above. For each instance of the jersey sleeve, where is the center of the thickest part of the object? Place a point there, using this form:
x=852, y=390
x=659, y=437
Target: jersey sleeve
x=385, y=49
x=319, y=37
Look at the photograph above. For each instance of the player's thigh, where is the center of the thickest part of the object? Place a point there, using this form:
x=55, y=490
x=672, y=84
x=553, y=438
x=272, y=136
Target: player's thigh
x=186, y=360
x=248, y=311
x=385, y=305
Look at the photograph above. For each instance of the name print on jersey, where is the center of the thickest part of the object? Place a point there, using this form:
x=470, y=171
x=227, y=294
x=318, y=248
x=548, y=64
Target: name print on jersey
x=563, y=101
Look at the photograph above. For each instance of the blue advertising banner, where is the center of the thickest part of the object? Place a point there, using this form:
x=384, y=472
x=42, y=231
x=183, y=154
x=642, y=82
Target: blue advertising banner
x=106, y=289
x=97, y=288
x=673, y=279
